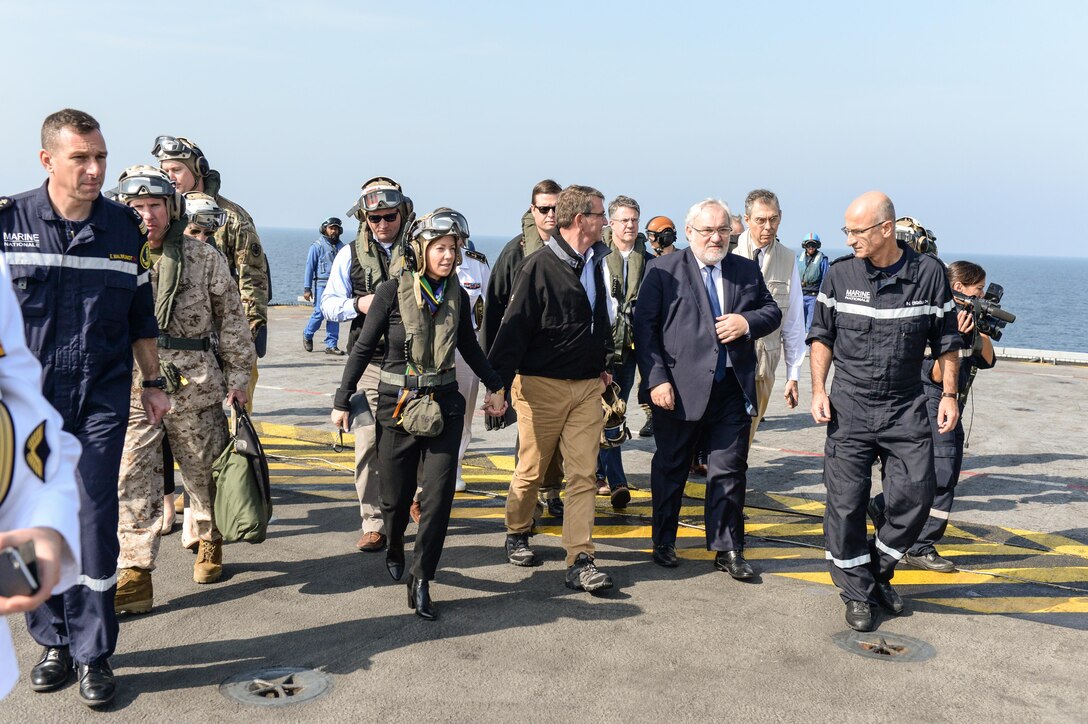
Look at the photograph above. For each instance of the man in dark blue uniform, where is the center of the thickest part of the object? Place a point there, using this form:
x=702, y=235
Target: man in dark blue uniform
x=79, y=264
x=876, y=312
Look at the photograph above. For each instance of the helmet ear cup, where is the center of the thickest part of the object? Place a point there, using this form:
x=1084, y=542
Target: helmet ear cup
x=202, y=165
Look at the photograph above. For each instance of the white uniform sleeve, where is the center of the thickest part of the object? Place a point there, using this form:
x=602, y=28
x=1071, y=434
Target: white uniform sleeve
x=338, y=302
x=793, y=329
x=42, y=453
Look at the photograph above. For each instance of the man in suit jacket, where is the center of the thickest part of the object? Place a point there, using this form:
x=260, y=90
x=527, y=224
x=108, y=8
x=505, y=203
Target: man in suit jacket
x=699, y=314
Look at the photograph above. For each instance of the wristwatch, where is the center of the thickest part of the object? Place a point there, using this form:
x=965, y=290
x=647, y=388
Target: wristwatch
x=953, y=395
x=159, y=382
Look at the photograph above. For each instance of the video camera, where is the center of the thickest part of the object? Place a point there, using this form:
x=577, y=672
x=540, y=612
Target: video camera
x=990, y=318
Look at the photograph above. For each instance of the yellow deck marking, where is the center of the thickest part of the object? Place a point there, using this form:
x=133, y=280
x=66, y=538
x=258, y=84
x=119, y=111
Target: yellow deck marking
x=1015, y=605
x=803, y=505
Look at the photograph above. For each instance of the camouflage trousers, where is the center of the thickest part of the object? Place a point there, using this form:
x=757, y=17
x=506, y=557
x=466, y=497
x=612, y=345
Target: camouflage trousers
x=196, y=438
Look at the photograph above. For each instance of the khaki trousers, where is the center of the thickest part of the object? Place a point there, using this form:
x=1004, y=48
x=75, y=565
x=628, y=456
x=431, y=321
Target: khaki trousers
x=366, y=458
x=565, y=417
x=196, y=438
x=766, y=364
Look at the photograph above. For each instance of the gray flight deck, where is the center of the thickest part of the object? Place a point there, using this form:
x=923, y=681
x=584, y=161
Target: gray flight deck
x=1009, y=631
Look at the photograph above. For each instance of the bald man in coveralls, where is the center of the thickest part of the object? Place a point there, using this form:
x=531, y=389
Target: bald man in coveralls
x=699, y=314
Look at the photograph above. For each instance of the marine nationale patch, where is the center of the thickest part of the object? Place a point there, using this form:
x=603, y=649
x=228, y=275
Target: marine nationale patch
x=36, y=451
x=145, y=256
x=7, y=451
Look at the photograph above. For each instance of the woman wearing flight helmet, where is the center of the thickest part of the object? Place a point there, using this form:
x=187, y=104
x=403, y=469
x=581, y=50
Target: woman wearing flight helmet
x=423, y=315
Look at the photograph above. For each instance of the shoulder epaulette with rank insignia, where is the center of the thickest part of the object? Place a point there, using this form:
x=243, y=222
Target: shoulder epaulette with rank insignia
x=139, y=220
x=844, y=257
x=473, y=254
x=6, y=202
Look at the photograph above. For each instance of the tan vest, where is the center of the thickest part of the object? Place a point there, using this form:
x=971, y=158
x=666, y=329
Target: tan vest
x=777, y=268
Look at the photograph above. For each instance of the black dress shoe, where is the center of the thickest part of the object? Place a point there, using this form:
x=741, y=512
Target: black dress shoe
x=666, y=556
x=419, y=598
x=394, y=561
x=888, y=598
x=96, y=684
x=555, y=507
x=859, y=615
x=733, y=563
x=52, y=670
x=647, y=430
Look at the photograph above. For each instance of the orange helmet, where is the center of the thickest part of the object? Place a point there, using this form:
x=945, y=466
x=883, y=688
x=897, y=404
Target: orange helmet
x=659, y=224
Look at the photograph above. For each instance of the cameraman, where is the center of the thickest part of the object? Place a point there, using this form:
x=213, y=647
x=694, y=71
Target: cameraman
x=967, y=280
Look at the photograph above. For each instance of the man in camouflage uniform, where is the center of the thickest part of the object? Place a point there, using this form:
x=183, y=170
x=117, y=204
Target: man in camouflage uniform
x=194, y=297
x=185, y=164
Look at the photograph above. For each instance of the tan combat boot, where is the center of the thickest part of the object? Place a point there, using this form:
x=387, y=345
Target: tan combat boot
x=209, y=562
x=134, y=592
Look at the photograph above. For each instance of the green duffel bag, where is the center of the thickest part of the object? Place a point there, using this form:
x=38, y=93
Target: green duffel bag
x=243, y=496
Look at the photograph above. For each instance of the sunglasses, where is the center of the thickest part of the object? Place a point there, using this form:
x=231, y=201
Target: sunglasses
x=387, y=218
x=544, y=210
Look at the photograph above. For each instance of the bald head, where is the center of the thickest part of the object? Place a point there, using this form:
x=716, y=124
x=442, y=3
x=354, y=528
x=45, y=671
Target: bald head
x=870, y=229
x=872, y=207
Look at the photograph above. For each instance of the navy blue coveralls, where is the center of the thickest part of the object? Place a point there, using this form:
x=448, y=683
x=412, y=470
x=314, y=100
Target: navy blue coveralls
x=85, y=294
x=878, y=328
x=947, y=449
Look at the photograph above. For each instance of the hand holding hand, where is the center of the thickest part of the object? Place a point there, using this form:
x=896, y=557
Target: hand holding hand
x=495, y=405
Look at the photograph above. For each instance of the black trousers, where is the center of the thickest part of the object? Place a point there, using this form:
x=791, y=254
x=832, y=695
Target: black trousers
x=402, y=460
x=947, y=463
x=723, y=433
x=861, y=430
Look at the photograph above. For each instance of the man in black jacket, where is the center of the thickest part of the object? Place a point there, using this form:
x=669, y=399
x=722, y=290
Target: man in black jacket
x=556, y=337
x=537, y=226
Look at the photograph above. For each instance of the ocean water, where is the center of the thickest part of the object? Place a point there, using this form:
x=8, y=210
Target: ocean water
x=1048, y=295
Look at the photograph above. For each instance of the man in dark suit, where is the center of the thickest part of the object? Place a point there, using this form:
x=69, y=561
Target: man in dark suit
x=699, y=314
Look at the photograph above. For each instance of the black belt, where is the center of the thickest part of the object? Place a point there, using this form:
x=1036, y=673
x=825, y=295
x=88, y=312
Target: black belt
x=430, y=379
x=192, y=344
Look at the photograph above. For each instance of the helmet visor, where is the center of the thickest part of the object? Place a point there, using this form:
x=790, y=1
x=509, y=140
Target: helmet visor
x=442, y=224
x=145, y=186
x=382, y=197
x=171, y=147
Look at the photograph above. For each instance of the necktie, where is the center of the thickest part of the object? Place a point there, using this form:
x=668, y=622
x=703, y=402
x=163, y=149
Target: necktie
x=716, y=309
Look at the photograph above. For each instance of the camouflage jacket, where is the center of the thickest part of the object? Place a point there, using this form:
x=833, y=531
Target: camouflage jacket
x=238, y=241
x=207, y=301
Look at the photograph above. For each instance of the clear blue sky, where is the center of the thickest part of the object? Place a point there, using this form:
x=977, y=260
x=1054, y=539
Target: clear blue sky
x=970, y=115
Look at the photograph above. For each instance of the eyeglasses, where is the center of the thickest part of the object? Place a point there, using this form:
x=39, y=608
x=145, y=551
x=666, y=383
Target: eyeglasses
x=765, y=221
x=171, y=147
x=544, y=210
x=858, y=232
x=379, y=218
x=381, y=197
x=722, y=231
x=626, y=222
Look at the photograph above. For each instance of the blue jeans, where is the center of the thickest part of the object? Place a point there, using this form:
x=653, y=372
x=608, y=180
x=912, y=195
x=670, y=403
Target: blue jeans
x=609, y=462
x=332, y=329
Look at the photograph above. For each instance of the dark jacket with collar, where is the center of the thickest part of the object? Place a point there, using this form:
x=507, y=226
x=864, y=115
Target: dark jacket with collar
x=675, y=340
x=548, y=329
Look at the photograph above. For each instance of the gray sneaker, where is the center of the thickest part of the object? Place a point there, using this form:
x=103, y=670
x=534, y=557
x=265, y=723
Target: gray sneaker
x=584, y=576
x=518, y=551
